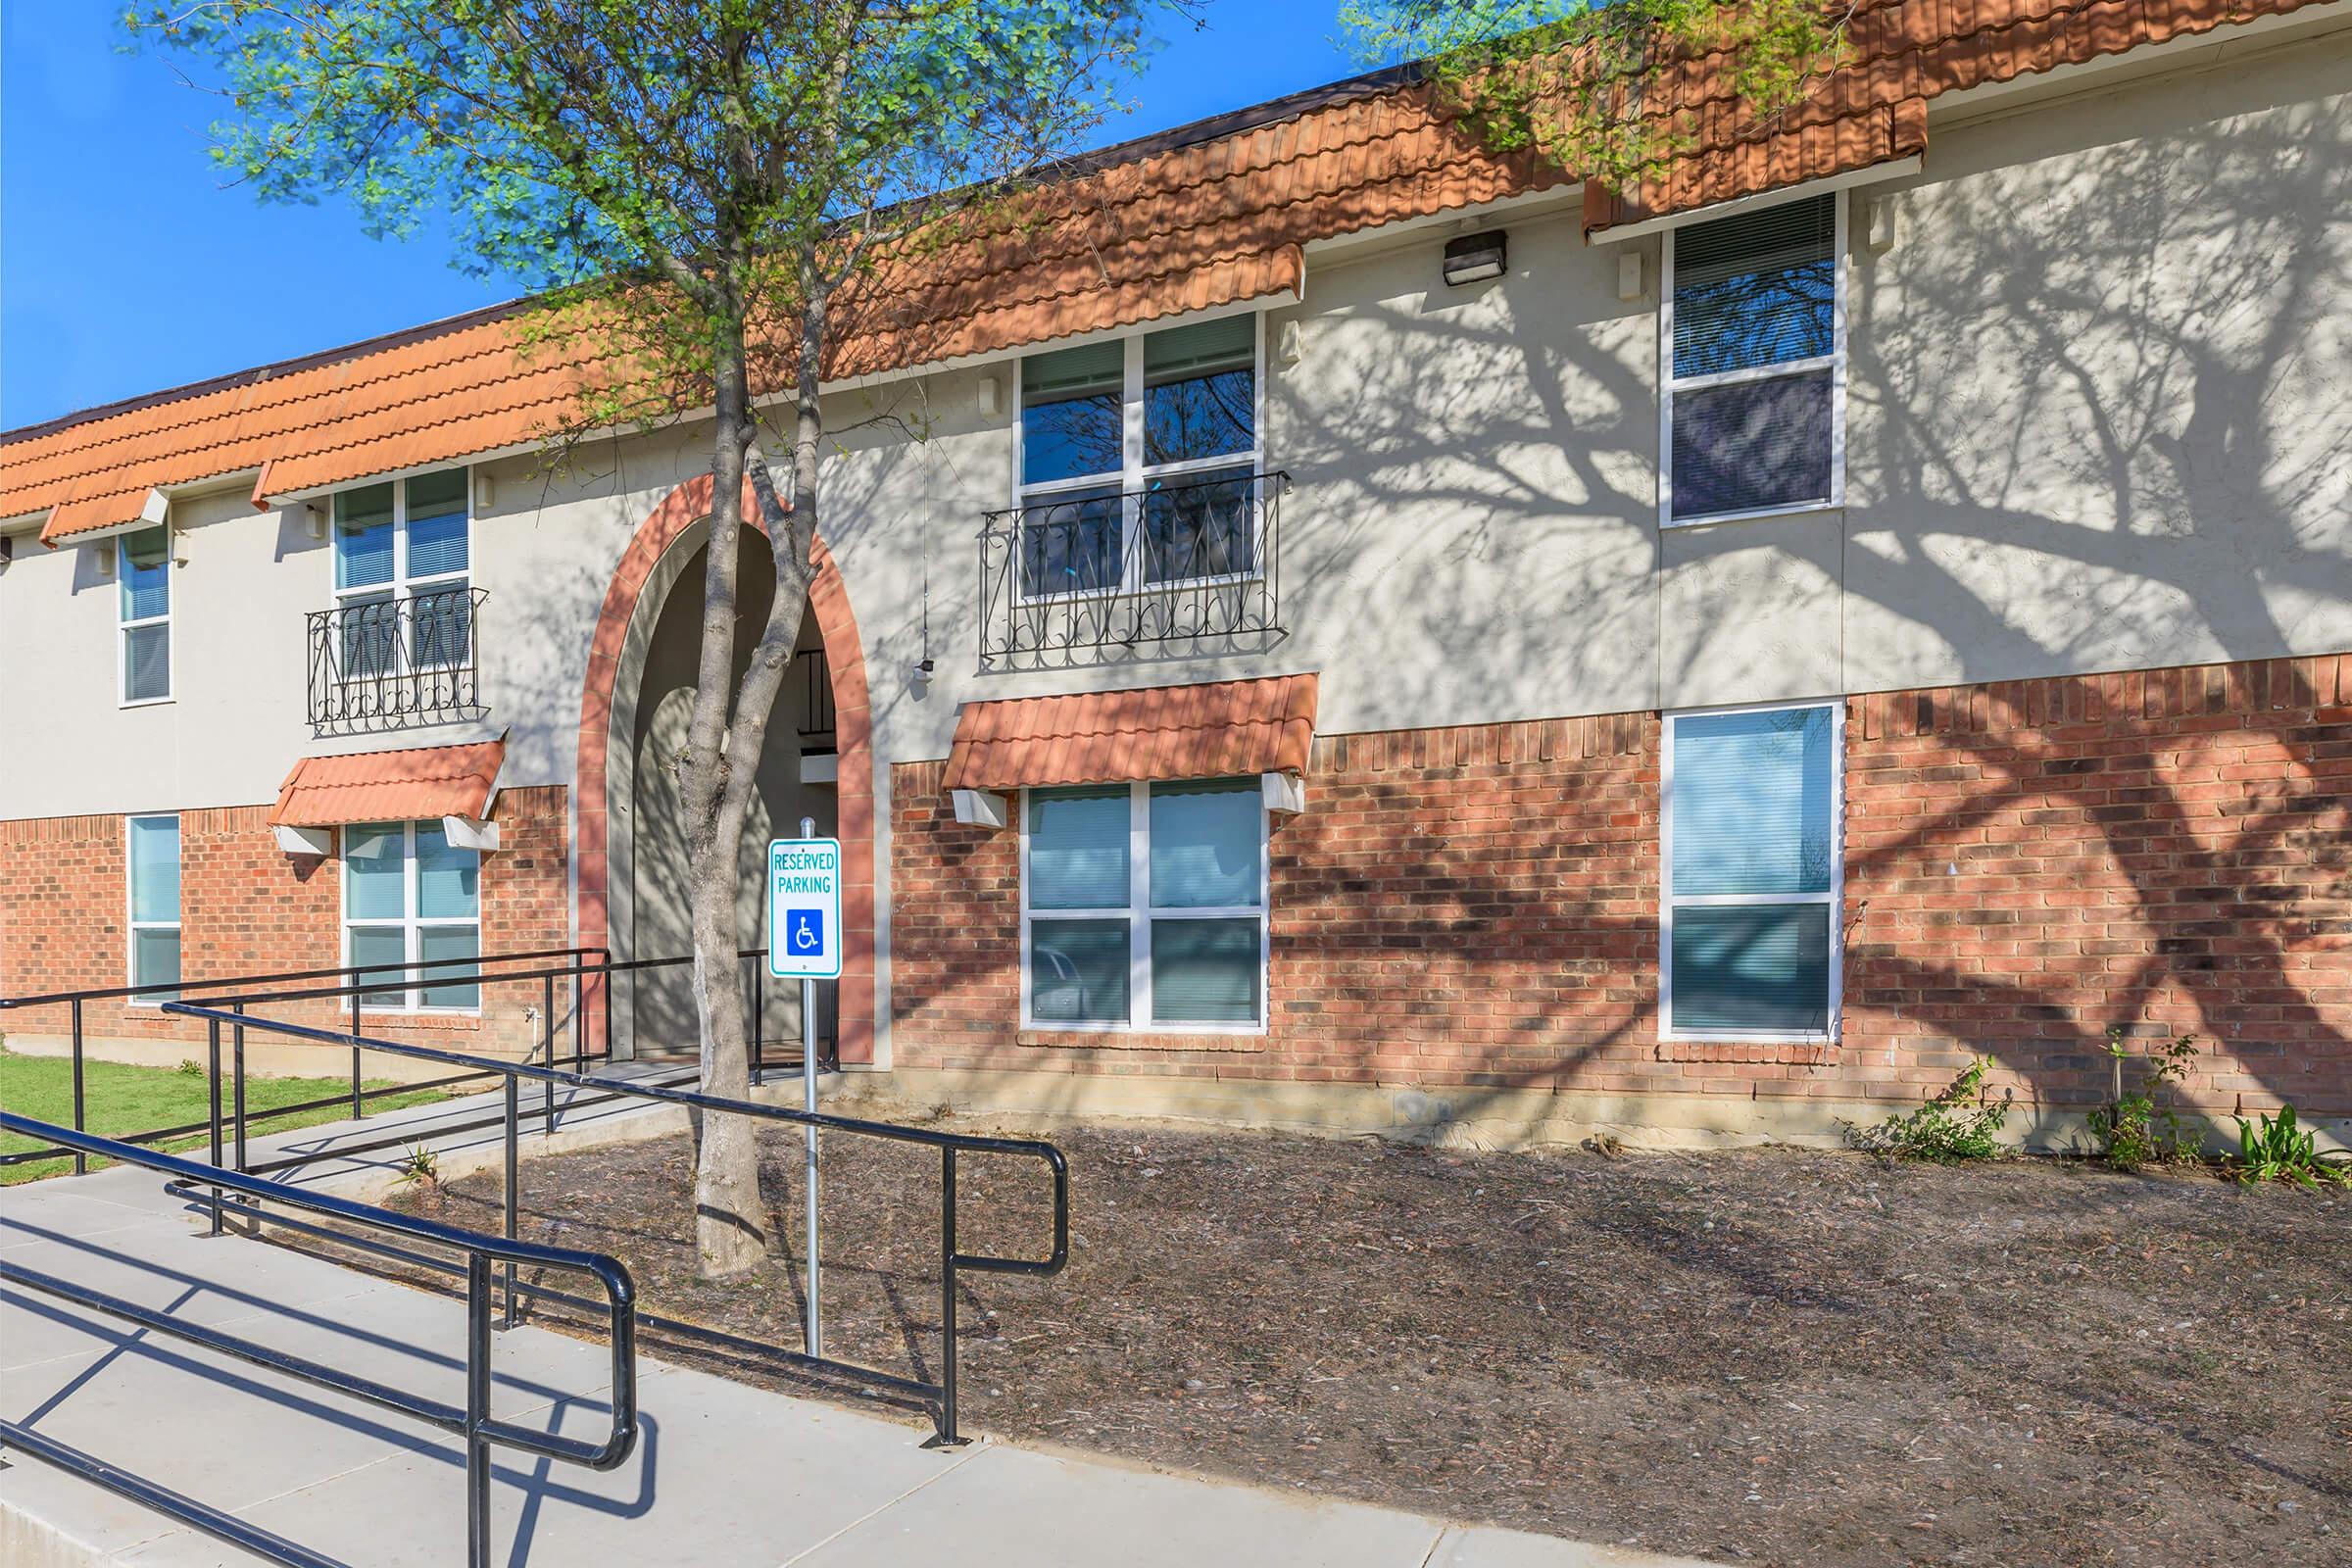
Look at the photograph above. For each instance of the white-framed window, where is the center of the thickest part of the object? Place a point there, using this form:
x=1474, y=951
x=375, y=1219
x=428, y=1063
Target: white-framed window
x=402, y=557
x=143, y=575
x=1753, y=851
x=1752, y=339
x=151, y=867
x=412, y=897
x=1137, y=461
x=1144, y=907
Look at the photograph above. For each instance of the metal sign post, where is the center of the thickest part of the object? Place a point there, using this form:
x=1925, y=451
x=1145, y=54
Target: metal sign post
x=804, y=941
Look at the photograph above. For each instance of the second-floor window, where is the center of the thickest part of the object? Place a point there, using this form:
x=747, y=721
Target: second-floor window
x=1137, y=461
x=412, y=897
x=1754, y=344
x=144, y=571
x=401, y=563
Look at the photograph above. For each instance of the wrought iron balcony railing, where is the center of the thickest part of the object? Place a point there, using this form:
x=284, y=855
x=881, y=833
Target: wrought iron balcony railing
x=1093, y=575
x=396, y=663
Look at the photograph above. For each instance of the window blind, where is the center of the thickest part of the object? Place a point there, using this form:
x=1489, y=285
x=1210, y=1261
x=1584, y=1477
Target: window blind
x=1751, y=444
x=363, y=536
x=375, y=862
x=1078, y=971
x=147, y=662
x=1752, y=802
x=146, y=573
x=154, y=868
x=1762, y=969
x=446, y=876
x=1184, y=351
x=1205, y=971
x=443, y=988
x=1205, y=845
x=1078, y=849
x=1755, y=289
x=437, y=544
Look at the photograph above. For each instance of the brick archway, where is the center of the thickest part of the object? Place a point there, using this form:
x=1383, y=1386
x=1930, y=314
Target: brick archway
x=844, y=657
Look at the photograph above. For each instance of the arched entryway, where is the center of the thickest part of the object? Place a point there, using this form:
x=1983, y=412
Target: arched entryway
x=639, y=685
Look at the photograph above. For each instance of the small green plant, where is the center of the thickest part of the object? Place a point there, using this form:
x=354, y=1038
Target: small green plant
x=189, y=1068
x=2133, y=1129
x=418, y=1163
x=2279, y=1150
x=1961, y=1123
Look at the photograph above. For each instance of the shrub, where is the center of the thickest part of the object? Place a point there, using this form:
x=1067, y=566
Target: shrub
x=1961, y=1123
x=419, y=1164
x=2133, y=1129
x=2281, y=1149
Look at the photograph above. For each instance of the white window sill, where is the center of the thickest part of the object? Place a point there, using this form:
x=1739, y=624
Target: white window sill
x=1755, y=515
x=146, y=702
x=1136, y=1030
x=1745, y=1037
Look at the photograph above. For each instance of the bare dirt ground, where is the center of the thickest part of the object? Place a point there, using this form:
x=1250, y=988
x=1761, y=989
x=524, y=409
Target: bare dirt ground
x=1772, y=1356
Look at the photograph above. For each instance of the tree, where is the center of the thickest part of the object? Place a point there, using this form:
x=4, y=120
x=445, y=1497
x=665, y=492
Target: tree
x=1569, y=78
x=701, y=192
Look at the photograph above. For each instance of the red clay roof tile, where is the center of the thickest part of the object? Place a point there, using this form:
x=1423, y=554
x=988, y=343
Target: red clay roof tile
x=1160, y=732
x=1215, y=223
x=404, y=786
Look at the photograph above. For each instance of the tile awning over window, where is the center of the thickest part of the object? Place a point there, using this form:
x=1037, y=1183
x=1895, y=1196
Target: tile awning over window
x=1162, y=732
x=404, y=786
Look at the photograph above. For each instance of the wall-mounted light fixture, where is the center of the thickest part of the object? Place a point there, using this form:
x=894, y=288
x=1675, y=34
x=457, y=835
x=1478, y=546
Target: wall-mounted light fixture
x=1628, y=275
x=1473, y=258
x=8, y=547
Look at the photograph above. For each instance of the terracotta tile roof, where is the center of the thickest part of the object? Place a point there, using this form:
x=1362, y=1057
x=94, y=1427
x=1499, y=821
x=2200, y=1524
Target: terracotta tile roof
x=1211, y=216
x=404, y=786
x=1209, y=730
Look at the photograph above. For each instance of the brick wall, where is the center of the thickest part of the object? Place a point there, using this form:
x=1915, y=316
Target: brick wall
x=2027, y=864
x=249, y=907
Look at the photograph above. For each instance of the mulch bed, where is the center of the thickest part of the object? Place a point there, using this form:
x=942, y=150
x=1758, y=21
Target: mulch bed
x=1770, y=1356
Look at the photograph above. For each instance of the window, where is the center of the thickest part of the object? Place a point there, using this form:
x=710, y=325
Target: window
x=412, y=897
x=401, y=563
x=1753, y=851
x=1138, y=460
x=152, y=856
x=1144, y=906
x=1755, y=343
x=144, y=574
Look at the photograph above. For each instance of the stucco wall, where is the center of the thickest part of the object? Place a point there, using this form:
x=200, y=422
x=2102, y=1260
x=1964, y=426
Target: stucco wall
x=2097, y=419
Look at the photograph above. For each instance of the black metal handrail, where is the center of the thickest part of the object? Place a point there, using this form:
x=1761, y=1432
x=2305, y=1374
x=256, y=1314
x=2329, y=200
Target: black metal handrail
x=953, y=1259
x=473, y=1420
x=394, y=663
x=584, y=964
x=1188, y=567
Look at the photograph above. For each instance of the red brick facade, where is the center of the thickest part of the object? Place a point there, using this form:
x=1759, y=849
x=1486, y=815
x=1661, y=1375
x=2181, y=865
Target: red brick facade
x=2027, y=864
x=248, y=908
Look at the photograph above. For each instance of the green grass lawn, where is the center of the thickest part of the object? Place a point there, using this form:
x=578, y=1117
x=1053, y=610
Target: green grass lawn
x=129, y=1100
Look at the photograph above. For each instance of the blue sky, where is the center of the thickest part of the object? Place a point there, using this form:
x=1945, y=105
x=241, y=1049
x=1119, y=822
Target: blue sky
x=126, y=267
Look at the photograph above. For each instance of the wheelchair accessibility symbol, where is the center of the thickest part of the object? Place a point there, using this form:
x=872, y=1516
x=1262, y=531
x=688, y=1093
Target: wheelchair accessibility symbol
x=803, y=909
x=807, y=933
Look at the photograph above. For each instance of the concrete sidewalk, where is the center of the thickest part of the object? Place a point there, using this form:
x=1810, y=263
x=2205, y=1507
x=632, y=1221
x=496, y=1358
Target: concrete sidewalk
x=724, y=1474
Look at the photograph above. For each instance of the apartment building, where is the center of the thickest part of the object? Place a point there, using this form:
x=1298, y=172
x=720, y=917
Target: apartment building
x=1338, y=628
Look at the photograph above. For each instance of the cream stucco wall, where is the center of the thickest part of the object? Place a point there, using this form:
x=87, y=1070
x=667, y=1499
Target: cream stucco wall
x=2099, y=416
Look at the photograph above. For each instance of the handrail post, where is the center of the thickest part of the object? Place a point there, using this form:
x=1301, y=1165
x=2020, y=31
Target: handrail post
x=513, y=1183
x=237, y=1102
x=759, y=1016
x=947, y=1437
x=213, y=1078
x=547, y=1044
x=352, y=976
x=607, y=952
x=579, y=1017
x=82, y=1161
x=477, y=1409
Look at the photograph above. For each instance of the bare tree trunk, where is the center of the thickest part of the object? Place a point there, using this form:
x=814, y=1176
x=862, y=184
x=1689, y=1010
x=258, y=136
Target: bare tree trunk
x=730, y=1220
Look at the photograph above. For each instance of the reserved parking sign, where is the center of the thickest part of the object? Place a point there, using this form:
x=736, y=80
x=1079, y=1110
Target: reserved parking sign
x=803, y=909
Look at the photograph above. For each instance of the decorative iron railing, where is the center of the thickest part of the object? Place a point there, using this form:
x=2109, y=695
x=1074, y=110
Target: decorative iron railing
x=1095, y=576
x=396, y=663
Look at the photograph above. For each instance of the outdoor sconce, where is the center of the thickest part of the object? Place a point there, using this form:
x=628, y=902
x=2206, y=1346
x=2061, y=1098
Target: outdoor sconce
x=8, y=547
x=981, y=809
x=1473, y=258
